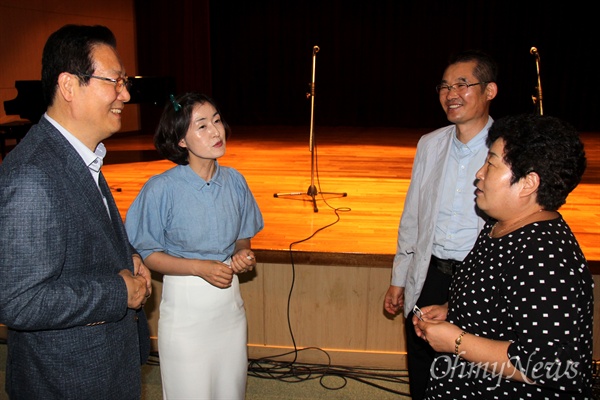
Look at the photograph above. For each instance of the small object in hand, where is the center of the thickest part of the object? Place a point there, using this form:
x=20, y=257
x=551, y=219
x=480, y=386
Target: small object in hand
x=417, y=311
x=250, y=257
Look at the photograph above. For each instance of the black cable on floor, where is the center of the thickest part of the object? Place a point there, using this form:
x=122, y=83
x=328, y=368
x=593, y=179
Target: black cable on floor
x=267, y=368
x=293, y=371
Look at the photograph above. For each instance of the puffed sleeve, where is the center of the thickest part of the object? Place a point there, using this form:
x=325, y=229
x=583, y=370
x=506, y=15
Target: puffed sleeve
x=252, y=219
x=148, y=216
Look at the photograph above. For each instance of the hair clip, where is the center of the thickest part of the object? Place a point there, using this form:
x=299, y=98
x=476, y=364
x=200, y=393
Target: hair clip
x=176, y=105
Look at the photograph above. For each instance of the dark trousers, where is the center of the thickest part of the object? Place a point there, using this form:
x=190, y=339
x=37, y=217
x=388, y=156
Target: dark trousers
x=419, y=354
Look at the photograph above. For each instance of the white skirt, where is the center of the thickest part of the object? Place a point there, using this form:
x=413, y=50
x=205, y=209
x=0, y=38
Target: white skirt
x=202, y=340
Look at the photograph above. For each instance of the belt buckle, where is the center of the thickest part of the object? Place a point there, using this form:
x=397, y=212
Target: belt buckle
x=447, y=267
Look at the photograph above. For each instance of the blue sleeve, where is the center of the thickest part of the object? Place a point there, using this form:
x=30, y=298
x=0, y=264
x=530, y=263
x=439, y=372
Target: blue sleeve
x=252, y=219
x=147, y=217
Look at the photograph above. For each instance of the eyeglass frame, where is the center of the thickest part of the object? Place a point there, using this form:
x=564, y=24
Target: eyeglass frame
x=456, y=86
x=124, y=82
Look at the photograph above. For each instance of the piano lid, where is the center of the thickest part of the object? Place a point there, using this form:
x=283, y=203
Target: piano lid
x=29, y=103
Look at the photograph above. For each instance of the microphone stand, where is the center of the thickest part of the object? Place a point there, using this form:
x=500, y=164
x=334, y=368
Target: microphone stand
x=537, y=101
x=312, y=189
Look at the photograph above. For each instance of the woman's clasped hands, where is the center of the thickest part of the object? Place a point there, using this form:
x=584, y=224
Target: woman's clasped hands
x=434, y=329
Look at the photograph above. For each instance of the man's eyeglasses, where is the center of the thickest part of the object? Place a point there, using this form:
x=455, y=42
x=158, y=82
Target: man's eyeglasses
x=119, y=83
x=459, y=87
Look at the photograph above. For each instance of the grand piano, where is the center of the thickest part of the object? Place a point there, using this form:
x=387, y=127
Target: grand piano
x=150, y=92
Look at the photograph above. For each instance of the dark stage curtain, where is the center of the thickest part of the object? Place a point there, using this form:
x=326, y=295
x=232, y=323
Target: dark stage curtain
x=379, y=60
x=173, y=40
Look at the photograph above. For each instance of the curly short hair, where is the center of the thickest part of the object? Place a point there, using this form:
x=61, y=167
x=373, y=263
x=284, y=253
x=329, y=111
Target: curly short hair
x=174, y=123
x=546, y=145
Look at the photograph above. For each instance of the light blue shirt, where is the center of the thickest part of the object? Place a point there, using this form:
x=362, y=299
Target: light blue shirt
x=182, y=215
x=457, y=224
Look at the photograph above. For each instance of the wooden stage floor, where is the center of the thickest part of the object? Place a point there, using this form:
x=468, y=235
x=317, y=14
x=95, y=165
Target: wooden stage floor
x=371, y=166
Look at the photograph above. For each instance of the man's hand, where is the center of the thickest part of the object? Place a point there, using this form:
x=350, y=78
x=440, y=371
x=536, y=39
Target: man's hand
x=137, y=289
x=394, y=299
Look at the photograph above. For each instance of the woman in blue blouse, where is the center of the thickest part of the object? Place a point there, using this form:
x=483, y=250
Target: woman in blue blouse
x=193, y=224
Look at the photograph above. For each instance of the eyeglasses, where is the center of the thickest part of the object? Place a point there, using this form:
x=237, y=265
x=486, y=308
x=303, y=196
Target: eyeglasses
x=459, y=87
x=119, y=83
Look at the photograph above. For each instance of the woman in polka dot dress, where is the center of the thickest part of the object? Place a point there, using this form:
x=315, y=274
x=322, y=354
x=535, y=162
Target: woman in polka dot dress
x=519, y=321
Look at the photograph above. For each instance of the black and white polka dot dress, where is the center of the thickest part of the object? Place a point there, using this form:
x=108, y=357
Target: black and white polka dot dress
x=533, y=288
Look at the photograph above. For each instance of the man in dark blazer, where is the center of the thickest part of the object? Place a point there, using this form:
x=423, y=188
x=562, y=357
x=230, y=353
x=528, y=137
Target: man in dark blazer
x=72, y=289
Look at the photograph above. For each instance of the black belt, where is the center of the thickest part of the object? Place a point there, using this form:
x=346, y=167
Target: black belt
x=447, y=267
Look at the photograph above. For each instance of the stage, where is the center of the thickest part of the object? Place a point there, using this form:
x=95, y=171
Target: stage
x=327, y=294
x=361, y=174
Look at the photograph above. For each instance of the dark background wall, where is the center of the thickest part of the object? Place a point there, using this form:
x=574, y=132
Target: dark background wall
x=379, y=60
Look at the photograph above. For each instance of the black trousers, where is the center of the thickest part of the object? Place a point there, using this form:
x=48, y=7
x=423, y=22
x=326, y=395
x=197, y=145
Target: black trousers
x=420, y=355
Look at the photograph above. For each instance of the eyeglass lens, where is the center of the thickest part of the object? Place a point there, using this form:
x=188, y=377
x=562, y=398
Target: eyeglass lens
x=459, y=87
x=122, y=83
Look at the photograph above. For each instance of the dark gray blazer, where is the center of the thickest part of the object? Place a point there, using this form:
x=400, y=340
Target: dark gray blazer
x=71, y=335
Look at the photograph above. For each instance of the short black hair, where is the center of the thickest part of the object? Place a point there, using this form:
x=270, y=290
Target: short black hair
x=486, y=69
x=69, y=49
